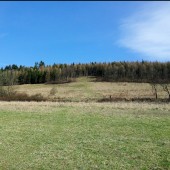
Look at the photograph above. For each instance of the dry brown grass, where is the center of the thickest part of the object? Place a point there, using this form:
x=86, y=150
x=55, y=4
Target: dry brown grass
x=84, y=89
x=48, y=107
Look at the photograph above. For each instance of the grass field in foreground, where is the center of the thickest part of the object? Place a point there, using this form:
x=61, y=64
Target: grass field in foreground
x=84, y=135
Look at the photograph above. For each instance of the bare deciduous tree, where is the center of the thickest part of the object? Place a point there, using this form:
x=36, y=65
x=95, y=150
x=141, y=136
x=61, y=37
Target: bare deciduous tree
x=7, y=82
x=166, y=89
x=154, y=89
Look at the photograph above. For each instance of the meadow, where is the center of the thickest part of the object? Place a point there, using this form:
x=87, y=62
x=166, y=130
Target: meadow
x=118, y=135
x=83, y=133
x=87, y=89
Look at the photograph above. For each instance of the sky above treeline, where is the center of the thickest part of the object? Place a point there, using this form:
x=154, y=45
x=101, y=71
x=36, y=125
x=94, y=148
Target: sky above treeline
x=83, y=32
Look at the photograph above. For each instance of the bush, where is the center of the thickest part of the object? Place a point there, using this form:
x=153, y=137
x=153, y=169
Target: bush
x=69, y=80
x=23, y=97
x=2, y=91
x=53, y=91
x=7, y=91
x=37, y=97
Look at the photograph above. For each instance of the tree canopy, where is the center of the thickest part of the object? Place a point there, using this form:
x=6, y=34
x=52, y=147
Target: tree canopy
x=112, y=71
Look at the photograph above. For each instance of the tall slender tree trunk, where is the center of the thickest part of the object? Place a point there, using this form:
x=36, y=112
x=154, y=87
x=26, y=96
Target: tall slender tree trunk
x=155, y=90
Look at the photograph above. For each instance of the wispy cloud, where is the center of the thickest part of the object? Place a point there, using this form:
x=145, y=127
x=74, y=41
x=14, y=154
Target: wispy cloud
x=148, y=31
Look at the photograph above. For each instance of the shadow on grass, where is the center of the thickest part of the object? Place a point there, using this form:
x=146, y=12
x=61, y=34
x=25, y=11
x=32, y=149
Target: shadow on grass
x=70, y=80
x=23, y=97
x=119, y=99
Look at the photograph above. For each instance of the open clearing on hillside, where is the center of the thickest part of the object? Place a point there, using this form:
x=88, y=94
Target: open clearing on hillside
x=44, y=135
x=87, y=89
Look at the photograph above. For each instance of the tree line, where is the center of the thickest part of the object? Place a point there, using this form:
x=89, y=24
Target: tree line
x=152, y=72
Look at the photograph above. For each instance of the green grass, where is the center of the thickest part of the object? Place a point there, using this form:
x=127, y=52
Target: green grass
x=84, y=136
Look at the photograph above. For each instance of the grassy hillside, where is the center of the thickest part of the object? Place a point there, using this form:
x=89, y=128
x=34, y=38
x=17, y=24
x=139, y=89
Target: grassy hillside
x=84, y=135
x=87, y=89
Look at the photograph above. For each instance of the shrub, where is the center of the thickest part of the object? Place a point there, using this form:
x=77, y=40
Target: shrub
x=37, y=97
x=53, y=91
x=23, y=97
x=2, y=91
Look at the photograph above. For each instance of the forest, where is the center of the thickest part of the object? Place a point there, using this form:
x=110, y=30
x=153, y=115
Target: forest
x=150, y=72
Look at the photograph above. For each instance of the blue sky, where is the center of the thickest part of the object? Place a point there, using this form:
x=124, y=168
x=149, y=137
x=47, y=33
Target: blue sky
x=67, y=32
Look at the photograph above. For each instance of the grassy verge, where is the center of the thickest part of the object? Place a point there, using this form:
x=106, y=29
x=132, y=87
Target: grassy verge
x=84, y=135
